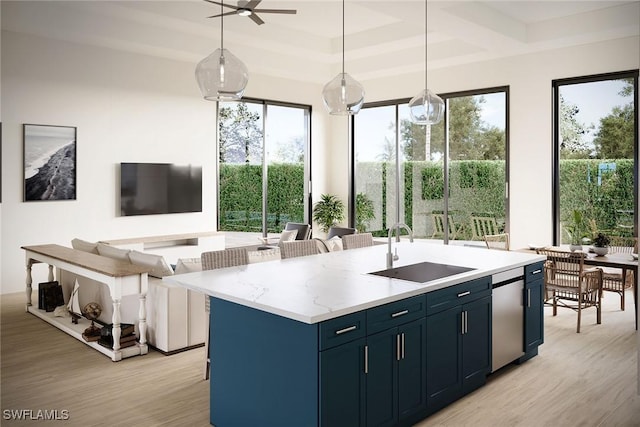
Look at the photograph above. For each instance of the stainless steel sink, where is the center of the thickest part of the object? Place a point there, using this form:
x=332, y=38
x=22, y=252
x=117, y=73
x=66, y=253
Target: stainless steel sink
x=422, y=272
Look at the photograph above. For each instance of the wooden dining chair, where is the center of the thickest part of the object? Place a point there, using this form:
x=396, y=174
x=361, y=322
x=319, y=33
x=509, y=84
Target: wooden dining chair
x=358, y=240
x=296, y=248
x=483, y=224
x=438, y=226
x=497, y=241
x=570, y=284
x=230, y=257
x=612, y=278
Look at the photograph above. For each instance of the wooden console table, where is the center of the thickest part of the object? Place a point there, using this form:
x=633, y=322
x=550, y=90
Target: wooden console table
x=120, y=277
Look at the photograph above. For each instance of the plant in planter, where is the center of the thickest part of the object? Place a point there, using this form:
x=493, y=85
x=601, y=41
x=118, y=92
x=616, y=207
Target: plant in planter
x=328, y=211
x=601, y=244
x=576, y=230
x=364, y=212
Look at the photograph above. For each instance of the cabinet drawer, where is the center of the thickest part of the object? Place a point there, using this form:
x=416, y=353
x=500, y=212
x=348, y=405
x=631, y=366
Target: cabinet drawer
x=446, y=298
x=533, y=272
x=342, y=329
x=395, y=313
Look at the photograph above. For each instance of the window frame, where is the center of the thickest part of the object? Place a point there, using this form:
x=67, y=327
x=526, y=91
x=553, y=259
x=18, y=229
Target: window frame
x=307, y=161
x=556, y=84
x=445, y=97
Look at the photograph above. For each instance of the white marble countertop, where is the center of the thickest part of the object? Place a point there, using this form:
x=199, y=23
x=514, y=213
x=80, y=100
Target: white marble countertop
x=315, y=288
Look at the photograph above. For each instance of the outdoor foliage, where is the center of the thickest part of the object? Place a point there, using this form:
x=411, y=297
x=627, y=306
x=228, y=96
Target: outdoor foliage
x=364, y=212
x=599, y=193
x=469, y=138
x=240, y=134
x=600, y=189
x=240, y=203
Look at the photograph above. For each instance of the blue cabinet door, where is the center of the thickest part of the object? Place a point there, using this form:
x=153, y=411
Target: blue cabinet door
x=396, y=374
x=476, y=343
x=444, y=346
x=412, y=367
x=533, y=316
x=342, y=385
x=533, y=309
x=382, y=378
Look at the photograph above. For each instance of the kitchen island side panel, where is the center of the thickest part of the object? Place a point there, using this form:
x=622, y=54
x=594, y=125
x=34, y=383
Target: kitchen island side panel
x=264, y=368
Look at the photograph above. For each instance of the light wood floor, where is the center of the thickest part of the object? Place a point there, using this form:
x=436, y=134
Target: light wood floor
x=586, y=379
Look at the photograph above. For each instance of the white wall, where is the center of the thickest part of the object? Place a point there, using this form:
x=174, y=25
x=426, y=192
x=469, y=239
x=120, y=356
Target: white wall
x=529, y=78
x=126, y=108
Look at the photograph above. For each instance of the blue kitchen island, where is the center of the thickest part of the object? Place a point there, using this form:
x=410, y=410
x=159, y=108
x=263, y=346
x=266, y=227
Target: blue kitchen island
x=320, y=341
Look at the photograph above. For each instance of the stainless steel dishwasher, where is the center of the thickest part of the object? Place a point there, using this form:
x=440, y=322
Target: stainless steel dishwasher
x=507, y=317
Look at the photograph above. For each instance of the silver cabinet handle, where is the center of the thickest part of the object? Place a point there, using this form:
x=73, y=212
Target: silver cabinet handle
x=462, y=322
x=466, y=325
x=402, y=345
x=400, y=313
x=536, y=271
x=349, y=329
x=397, y=347
x=366, y=359
x=464, y=294
x=529, y=298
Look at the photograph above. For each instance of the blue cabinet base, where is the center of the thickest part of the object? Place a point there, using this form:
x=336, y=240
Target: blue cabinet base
x=268, y=370
x=264, y=369
x=528, y=355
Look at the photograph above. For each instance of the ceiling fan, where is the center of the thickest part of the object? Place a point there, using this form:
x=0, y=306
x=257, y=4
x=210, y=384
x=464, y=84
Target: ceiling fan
x=248, y=8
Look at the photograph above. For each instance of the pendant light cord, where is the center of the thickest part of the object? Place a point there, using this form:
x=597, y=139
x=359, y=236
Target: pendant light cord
x=426, y=5
x=342, y=36
x=221, y=28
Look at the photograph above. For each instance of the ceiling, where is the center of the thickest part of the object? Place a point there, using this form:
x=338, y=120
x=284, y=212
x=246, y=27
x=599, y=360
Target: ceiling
x=382, y=38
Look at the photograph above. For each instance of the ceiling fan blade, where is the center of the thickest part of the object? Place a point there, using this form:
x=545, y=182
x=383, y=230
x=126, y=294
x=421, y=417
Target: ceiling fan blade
x=223, y=14
x=222, y=4
x=287, y=11
x=255, y=18
x=252, y=4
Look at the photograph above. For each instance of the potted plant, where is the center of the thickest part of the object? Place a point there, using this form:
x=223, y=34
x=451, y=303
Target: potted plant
x=364, y=212
x=576, y=230
x=601, y=244
x=328, y=212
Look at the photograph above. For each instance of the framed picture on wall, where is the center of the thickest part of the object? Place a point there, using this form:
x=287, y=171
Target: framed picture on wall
x=49, y=162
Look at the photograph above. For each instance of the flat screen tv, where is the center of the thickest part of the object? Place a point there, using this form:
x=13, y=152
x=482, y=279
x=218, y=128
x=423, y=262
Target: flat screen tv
x=159, y=188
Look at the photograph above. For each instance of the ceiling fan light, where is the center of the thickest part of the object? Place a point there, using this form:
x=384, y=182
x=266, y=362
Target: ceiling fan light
x=343, y=95
x=426, y=108
x=244, y=12
x=221, y=76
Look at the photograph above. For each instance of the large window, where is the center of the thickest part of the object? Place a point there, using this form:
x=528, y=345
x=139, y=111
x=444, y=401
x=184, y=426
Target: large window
x=263, y=165
x=465, y=154
x=595, y=156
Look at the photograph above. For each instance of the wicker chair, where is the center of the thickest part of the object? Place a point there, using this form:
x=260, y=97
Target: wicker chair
x=612, y=280
x=296, y=248
x=358, y=240
x=497, y=241
x=212, y=260
x=570, y=284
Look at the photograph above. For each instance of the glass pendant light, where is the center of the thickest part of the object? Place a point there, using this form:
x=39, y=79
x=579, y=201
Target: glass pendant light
x=221, y=76
x=343, y=94
x=426, y=108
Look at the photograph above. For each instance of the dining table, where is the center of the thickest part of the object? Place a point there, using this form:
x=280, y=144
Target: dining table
x=624, y=261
